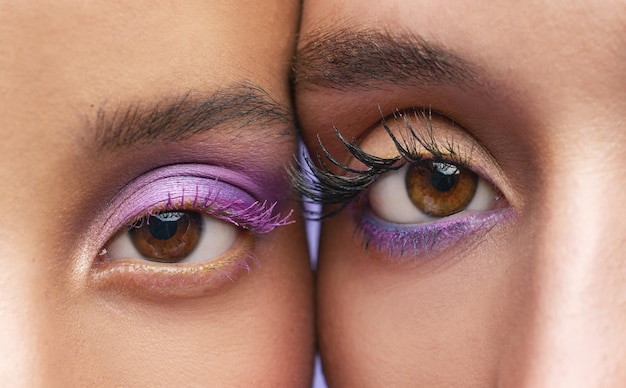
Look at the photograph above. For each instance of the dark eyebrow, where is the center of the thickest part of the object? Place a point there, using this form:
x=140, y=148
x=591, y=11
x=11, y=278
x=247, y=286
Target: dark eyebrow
x=176, y=118
x=346, y=59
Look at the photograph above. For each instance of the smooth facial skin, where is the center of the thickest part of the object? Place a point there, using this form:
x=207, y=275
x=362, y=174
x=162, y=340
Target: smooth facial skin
x=111, y=111
x=536, y=91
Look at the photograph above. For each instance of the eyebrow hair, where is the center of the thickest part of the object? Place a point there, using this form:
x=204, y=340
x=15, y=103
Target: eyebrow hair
x=348, y=59
x=236, y=106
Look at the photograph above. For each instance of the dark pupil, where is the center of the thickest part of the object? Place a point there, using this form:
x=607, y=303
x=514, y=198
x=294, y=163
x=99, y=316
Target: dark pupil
x=165, y=225
x=444, y=176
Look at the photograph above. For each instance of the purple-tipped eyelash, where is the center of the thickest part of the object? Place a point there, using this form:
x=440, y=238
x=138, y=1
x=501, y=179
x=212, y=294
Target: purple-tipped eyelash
x=258, y=217
x=397, y=240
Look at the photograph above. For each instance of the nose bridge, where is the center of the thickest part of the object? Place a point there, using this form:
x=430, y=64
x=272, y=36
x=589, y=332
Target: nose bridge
x=573, y=332
x=20, y=344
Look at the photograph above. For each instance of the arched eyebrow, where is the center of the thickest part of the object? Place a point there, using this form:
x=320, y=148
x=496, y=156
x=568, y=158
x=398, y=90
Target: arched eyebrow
x=177, y=118
x=352, y=59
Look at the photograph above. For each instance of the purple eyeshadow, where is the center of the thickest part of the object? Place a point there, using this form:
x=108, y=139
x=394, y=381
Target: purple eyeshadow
x=397, y=240
x=214, y=191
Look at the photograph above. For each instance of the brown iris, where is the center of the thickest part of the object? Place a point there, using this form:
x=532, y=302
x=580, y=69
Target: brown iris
x=167, y=237
x=440, y=189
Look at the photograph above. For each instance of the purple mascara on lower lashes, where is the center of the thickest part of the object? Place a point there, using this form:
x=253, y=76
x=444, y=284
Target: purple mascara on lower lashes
x=397, y=240
x=214, y=191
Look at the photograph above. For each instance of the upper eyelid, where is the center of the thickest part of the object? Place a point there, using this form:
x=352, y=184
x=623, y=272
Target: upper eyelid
x=377, y=165
x=447, y=149
x=245, y=211
x=124, y=206
x=427, y=142
x=263, y=215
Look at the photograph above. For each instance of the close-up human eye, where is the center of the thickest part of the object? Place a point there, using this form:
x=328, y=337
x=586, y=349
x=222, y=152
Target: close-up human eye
x=173, y=237
x=415, y=184
x=428, y=190
x=182, y=224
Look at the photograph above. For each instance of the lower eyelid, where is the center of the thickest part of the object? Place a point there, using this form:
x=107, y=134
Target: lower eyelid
x=403, y=242
x=155, y=280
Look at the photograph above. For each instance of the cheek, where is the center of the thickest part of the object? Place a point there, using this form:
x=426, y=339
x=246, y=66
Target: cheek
x=235, y=335
x=429, y=323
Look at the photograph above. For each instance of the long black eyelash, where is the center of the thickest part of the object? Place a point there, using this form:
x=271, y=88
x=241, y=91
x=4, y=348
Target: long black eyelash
x=322, y=186
x=408, y=150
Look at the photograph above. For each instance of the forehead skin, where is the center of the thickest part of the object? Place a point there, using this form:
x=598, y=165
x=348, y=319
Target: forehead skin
x=516, y=45
x=61, y=64
x=539, y=303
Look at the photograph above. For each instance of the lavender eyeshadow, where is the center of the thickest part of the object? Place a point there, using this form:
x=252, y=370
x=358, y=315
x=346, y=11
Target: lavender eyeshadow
x=397, y=240
x=216, y=191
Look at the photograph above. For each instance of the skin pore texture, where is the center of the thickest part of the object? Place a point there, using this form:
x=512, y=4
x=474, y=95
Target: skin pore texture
x=533, y=299
x=115, y=116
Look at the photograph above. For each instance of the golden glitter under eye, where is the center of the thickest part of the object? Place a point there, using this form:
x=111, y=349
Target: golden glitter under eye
x=167, y=237
x=440, y=189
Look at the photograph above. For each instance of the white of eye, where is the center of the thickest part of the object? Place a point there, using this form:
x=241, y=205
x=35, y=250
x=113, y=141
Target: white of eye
x=389, y=199
x=216, y=238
